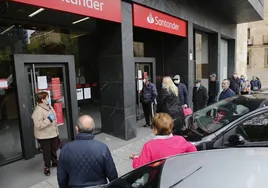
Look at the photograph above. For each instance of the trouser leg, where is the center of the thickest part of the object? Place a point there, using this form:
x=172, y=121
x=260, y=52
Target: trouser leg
x=46, y=147
x=146, y=111
x=54, y=147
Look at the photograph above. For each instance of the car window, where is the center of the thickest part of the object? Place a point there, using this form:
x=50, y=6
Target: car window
x=145, y=177
x=254, y=129
x=216, y=116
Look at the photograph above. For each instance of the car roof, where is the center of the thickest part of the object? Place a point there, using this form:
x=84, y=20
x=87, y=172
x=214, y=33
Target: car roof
x=237, y=167
x=259, y=95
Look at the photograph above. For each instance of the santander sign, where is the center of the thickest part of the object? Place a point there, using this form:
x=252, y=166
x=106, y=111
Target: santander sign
x=151, y=19
x=103, y=9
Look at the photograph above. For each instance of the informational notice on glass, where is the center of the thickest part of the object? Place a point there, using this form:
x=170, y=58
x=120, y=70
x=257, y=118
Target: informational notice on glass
x=140, y=85
x=42, y=82
x=82, y=80
x=56, y=88
x=59, y=113
x=139, y=74
x=3, y=84
x=79, y=94
x=87, y=93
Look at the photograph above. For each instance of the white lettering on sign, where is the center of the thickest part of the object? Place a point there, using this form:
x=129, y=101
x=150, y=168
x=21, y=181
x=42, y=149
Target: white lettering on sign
x=157, y=21
x=87, y=3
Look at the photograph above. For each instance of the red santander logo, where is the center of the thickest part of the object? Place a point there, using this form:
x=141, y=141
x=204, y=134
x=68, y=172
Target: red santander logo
x=162, y=22
x=151, y=19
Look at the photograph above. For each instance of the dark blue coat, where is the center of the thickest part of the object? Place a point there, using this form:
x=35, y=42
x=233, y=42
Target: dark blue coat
x=183, y=93
x=226, y=94
x=85, y=162
x=149, y=93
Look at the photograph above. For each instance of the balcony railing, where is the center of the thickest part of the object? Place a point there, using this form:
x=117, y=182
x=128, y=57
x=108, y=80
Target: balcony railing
x=265, y=39
x=250, y=41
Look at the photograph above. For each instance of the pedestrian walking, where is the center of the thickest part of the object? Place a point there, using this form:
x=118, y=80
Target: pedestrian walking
x=200, y=96
x=245, y=85
x=226, y=90
x=164, y=143
x=235, y=83
x=148, y=98
x=183, y=93
x=46, y=130
x=85, y=162
x=255, y=84
x=213, y=89
x=169, y=101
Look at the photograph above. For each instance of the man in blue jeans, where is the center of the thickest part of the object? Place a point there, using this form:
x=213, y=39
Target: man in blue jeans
x=148, y=96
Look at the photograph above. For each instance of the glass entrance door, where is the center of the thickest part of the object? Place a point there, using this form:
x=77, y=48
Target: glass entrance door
x=51, y=79
x=141, y=71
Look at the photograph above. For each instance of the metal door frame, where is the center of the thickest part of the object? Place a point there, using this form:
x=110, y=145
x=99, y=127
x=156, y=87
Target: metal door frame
x=149, y=60
x=21, y=61
x=144, y=60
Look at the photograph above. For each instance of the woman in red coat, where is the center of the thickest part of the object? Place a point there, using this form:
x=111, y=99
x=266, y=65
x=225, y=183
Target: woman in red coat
x=164, y=143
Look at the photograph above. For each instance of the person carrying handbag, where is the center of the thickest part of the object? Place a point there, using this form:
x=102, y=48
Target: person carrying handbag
x=46, y=130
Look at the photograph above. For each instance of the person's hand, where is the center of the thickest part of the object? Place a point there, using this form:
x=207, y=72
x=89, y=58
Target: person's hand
x=51, y=116
x=132, y=156
x=185, y=106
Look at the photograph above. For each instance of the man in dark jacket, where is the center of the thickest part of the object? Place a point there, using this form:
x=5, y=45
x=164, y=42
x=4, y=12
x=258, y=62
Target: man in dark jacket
x=255, y=84
x=148, y=97
x=183, y=93
x=235, y=84
x=226, y=91
x=213, y=89
x=200, y=96
x=85, y=161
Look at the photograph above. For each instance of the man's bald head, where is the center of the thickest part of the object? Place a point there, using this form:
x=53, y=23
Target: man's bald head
x=85, y=124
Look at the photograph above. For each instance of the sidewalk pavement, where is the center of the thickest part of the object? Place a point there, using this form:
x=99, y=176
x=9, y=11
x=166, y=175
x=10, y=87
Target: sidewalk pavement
x=29, y=174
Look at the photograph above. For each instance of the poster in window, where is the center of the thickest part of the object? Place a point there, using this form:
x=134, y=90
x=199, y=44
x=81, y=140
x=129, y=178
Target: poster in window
x=59, y=113
x=56, y=90
x=3, y=84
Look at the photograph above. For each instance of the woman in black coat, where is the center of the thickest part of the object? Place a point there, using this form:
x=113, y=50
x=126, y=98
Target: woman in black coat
x=169, y=102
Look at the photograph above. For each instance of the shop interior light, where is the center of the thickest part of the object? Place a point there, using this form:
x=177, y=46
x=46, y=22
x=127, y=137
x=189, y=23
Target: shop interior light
x=81, y=20
x=3, y=32
x=36, y=12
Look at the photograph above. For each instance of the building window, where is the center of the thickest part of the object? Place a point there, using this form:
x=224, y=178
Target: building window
x=249, y=59
x=266, y=58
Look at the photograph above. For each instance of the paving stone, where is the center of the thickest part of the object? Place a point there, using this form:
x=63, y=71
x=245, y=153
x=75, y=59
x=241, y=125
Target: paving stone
x=43, y=184
x=53, y=181
x=124, y=168
x=118, y=160
x=123, y=152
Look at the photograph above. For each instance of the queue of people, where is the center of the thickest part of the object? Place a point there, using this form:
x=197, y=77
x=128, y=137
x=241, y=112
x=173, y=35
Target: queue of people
x=88, y=162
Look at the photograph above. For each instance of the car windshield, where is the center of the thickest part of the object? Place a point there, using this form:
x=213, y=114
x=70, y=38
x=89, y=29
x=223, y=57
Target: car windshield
x=216, y=116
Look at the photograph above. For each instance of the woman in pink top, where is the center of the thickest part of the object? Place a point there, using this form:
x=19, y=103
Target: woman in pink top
x=164, y=143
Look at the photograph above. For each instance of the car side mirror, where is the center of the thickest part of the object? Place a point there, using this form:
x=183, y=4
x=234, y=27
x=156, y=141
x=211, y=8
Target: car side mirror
x=237, y=139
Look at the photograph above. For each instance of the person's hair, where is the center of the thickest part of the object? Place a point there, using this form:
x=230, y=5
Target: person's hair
x=40, y=96
x=83, y=129
x=228, y=81
x=163, y=123
x=171, y=87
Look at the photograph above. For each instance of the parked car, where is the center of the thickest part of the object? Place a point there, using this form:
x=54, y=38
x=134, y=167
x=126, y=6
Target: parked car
x=240, y=121
x=239, y=168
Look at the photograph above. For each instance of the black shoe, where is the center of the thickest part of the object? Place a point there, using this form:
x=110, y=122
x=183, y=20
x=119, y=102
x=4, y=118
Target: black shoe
x=47, y=171
x=146, y=125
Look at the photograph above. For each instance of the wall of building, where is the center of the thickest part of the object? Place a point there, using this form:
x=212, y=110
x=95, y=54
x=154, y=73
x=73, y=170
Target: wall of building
x=241, y=49
x=257, y=65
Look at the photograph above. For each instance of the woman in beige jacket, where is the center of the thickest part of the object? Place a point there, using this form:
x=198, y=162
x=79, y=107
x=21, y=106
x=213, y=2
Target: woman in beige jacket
x=46, y=130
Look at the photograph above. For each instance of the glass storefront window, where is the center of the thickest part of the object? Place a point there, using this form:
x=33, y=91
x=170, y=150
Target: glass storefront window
x=201, y=57
x=34, y=39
